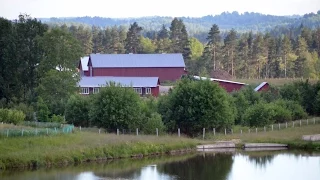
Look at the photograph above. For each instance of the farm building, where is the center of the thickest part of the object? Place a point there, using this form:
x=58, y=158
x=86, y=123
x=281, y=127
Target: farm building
x=229, y=86
x=264, y=86
x=168, y=67
x=142, y=85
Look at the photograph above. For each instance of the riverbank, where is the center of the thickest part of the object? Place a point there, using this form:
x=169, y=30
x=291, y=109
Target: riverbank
x=290, y=136
x=79, y=147
x=61, y=150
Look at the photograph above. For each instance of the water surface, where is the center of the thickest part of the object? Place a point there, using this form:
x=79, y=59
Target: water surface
x=283, y=165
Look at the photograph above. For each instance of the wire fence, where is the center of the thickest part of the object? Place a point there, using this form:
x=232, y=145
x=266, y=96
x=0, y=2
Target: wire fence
x=212, y=131
x=34, y=129
x=47, y=129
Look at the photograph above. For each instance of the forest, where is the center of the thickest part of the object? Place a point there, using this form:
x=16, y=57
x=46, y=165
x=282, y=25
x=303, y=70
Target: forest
x=38, y=75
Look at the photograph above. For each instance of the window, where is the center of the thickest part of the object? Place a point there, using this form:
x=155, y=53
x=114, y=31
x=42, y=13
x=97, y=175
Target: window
x=96, y=90
x=84, y=91
x=148, y=90
x=138, y=90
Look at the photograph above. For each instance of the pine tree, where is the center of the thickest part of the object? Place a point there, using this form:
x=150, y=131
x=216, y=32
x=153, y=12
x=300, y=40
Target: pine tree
x=179, y=38
x=133, y=44
x=214, y=40
x=286, y=49
x=301, y=51
x=230, y=46
x=163, y=33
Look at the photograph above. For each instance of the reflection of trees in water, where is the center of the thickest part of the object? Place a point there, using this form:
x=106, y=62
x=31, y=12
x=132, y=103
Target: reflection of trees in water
x=261, y=161
x=206, y=166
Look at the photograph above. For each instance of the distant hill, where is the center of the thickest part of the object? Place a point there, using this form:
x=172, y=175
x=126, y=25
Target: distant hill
x=256, y=22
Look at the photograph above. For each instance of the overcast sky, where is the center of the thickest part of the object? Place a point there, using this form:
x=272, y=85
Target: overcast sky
x=137, y=8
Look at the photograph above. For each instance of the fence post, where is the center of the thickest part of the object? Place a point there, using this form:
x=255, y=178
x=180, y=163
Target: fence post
x=36, y=131
x=22, y=132
x=314, y=120
x=203, y=133
x=300, y=123
x=80, y=128
x=225, y=131
x=214, y=131
x=7, y=132
x=292, y=123
x=272, y=127
x=241, y=131
x=118, y=132
x=307, y=121
x=286, y=124
x=231, y=131
x=157, y=132
x=264, y=129
x=249, y=131
x=137, y=131
x=47, y=131
x=256, y=130
x=55, y=129
x=178, y=132
x=279, y=126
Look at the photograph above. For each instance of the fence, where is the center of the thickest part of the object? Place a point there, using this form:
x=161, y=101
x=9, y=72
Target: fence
x=63, y=129
x=214, y=131
x=24, y=131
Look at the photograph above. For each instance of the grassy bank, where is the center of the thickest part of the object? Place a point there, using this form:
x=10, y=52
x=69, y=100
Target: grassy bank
x=290, y=136
x=79, y=147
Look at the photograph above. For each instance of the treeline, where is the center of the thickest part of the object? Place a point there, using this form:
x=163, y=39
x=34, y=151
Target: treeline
x=294, y=54
x=37, y=69
x=193, y=105
x=38, y=76
x=198, y=27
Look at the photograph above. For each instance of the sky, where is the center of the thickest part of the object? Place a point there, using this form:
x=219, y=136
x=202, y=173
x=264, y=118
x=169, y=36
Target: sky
x=138, y=8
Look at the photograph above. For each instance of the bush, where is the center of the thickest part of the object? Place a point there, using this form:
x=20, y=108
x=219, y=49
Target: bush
x=153, y=122
x=77, y=110
x=258, y=115
x=279, y=114
x=263, y=114
x=296, y=110
x=193, y=105
x=11, y=116
x=27, y=110
x=57, y=119
x=116, y=107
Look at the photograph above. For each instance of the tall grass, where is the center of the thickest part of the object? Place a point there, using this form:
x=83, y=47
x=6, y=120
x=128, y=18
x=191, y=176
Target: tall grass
x=84, y=146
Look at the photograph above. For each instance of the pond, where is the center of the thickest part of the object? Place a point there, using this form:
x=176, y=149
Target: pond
x=291, y=165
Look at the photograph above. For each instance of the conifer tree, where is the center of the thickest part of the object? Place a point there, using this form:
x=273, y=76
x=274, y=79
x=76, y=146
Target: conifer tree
x=133, y=44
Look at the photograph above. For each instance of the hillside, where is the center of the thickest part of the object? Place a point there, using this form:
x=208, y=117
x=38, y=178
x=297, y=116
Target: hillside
x=241, y=22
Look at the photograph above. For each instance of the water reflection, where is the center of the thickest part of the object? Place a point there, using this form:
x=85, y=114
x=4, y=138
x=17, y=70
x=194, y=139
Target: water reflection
x=232, y=166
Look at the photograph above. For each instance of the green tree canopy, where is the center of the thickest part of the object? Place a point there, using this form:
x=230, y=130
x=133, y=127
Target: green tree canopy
x=193, y=105
x=116, y=107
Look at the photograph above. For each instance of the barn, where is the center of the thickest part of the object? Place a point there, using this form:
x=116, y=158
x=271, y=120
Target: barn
x=229, y=86
x=264, y=86
x=144, y=86
x=168, y=67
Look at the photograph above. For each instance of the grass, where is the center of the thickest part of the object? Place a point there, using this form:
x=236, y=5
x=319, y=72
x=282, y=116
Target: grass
x=79, y=147
x=273, y=81
x=85, y=146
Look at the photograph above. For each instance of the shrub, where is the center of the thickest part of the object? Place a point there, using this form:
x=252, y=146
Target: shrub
x=296, y=110
x=11, y=116
x=193, y=105
x=116, y=107
x=153, y=122
x=77, y=110
x=57, y=119
x=258, y=115
x=263, y=114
